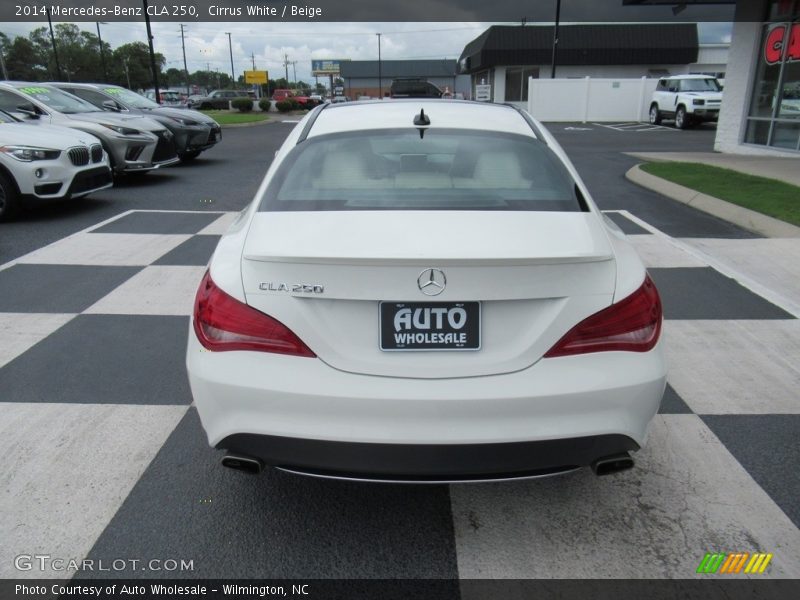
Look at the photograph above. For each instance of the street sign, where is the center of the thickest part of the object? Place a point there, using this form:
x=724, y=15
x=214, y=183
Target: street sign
x=327, y=66
x=483, y=92
x=256, y=76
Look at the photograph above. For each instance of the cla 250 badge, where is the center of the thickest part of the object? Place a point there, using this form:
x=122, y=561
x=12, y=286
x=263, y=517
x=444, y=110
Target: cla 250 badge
x=295, y=288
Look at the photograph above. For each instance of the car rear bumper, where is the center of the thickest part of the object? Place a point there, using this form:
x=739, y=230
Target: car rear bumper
x=300, y=412
x=421, y=462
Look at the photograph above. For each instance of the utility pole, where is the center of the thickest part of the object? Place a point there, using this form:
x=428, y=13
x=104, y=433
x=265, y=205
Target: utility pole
x=3, y=64
x=380, y=78
x=127, y=72
x=230, y=49
x=152, y=54
x=253, y=57
x=555, y=40
x=185, y=68
x=102, y=52
x=53, y=40
x=286, y=67
x=294, y=72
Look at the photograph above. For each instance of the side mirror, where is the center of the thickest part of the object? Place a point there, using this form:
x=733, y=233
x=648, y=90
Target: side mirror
x=28, y=110
x=110, y=105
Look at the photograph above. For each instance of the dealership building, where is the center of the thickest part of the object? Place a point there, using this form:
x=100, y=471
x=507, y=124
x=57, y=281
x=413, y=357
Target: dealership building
x=760, y=111
x=504, y=57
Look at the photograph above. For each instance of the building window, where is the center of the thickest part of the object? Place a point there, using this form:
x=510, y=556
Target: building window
x=774, y=116
x=517, y=82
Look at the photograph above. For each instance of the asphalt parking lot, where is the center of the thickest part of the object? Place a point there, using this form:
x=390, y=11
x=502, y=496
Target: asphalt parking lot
x=106, y=459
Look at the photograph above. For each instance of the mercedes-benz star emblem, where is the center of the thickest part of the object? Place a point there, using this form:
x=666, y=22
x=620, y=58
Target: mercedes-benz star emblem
x=431, y=282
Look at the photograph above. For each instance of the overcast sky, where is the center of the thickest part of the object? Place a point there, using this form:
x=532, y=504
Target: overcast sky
x=207, y=43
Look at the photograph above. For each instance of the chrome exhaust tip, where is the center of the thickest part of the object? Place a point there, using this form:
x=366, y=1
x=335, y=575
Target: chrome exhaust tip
x=246, y=464
x=612, y=464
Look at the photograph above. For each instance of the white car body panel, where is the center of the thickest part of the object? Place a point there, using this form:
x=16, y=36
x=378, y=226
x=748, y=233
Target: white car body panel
x=59, y=170
x=612, y=392
x=546, y=272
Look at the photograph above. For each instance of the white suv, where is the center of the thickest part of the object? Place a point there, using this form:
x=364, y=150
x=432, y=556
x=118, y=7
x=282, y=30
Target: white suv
x=47, y=163
x=688, y=99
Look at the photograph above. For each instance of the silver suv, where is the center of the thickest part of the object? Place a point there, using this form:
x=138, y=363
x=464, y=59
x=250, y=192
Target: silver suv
x=688, y=99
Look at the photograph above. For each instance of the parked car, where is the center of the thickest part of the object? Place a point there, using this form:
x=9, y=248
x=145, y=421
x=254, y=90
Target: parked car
x=461, y=309
x=192, y=131
x=134, y=144
x=218, y=99
x=47, y=163
x=174, y=98
x=688, y=99
x=340, y=99
x=414, y=87
x=282, y=94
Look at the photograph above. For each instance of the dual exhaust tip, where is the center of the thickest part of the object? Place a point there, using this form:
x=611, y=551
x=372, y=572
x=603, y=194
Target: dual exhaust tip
x=612, y=464
x=602, y=466
x=245, y=464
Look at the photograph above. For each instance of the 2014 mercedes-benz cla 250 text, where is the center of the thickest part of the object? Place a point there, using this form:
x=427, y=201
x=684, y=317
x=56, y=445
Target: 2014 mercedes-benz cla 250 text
x=424, y=290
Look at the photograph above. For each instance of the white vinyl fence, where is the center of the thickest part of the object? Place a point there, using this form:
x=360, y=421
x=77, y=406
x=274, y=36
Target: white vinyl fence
x=590, y=99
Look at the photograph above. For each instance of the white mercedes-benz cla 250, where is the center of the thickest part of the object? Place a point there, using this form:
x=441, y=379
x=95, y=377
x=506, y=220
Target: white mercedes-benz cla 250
x=420, y=291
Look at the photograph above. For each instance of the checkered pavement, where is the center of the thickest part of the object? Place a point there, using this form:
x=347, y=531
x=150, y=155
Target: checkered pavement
x=105, y=457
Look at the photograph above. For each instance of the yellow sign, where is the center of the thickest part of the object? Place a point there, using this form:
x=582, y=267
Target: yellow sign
x=256, y=76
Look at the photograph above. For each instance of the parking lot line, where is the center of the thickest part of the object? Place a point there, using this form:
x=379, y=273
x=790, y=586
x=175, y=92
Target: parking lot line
x=634, y=126
x=772, y=296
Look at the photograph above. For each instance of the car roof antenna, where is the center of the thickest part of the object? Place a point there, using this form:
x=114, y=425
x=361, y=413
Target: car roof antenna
x=421, y=121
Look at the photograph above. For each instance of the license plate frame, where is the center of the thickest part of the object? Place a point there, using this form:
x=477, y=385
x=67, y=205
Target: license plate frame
x=439, y=323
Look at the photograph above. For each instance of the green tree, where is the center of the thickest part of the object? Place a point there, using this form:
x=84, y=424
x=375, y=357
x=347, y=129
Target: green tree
x=130, y=66
x=23, y=60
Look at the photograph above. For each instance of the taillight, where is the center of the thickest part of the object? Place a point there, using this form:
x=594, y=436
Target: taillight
x=223, y=323
x=633, y=324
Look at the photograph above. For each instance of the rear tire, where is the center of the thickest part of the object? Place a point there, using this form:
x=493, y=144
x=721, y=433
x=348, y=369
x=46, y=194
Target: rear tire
x=681, y=118
x=655, y=115
x=9, y=198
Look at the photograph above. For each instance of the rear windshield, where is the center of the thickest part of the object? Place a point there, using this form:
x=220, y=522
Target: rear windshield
x=444, y=170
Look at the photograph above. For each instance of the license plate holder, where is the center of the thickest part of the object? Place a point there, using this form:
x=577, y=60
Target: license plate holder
x=429, y=326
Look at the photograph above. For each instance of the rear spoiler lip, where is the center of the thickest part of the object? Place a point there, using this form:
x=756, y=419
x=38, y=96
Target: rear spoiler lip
x=417, y=261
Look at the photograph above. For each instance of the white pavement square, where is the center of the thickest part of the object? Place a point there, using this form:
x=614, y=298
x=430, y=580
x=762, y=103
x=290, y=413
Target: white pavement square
x=686, y=496
x=774, y=262
x=657, y=252
x=220, y=226
x=156, y=290
x=74, y=465
x=735, y=367
x=106, y=249
x=20, y=331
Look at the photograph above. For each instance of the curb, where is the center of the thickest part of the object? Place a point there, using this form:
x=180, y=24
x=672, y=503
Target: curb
x=738, y=215
x=253, y=124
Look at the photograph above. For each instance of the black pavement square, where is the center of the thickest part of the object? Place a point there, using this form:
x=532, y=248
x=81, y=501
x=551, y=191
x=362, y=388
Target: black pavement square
x=104, y=359
x=704, y=293
x=197, y=250
x=159, y=222
x=628, y=227
x=276, y=525
x=768, y=447
x=58, y=288
x=673, y=404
